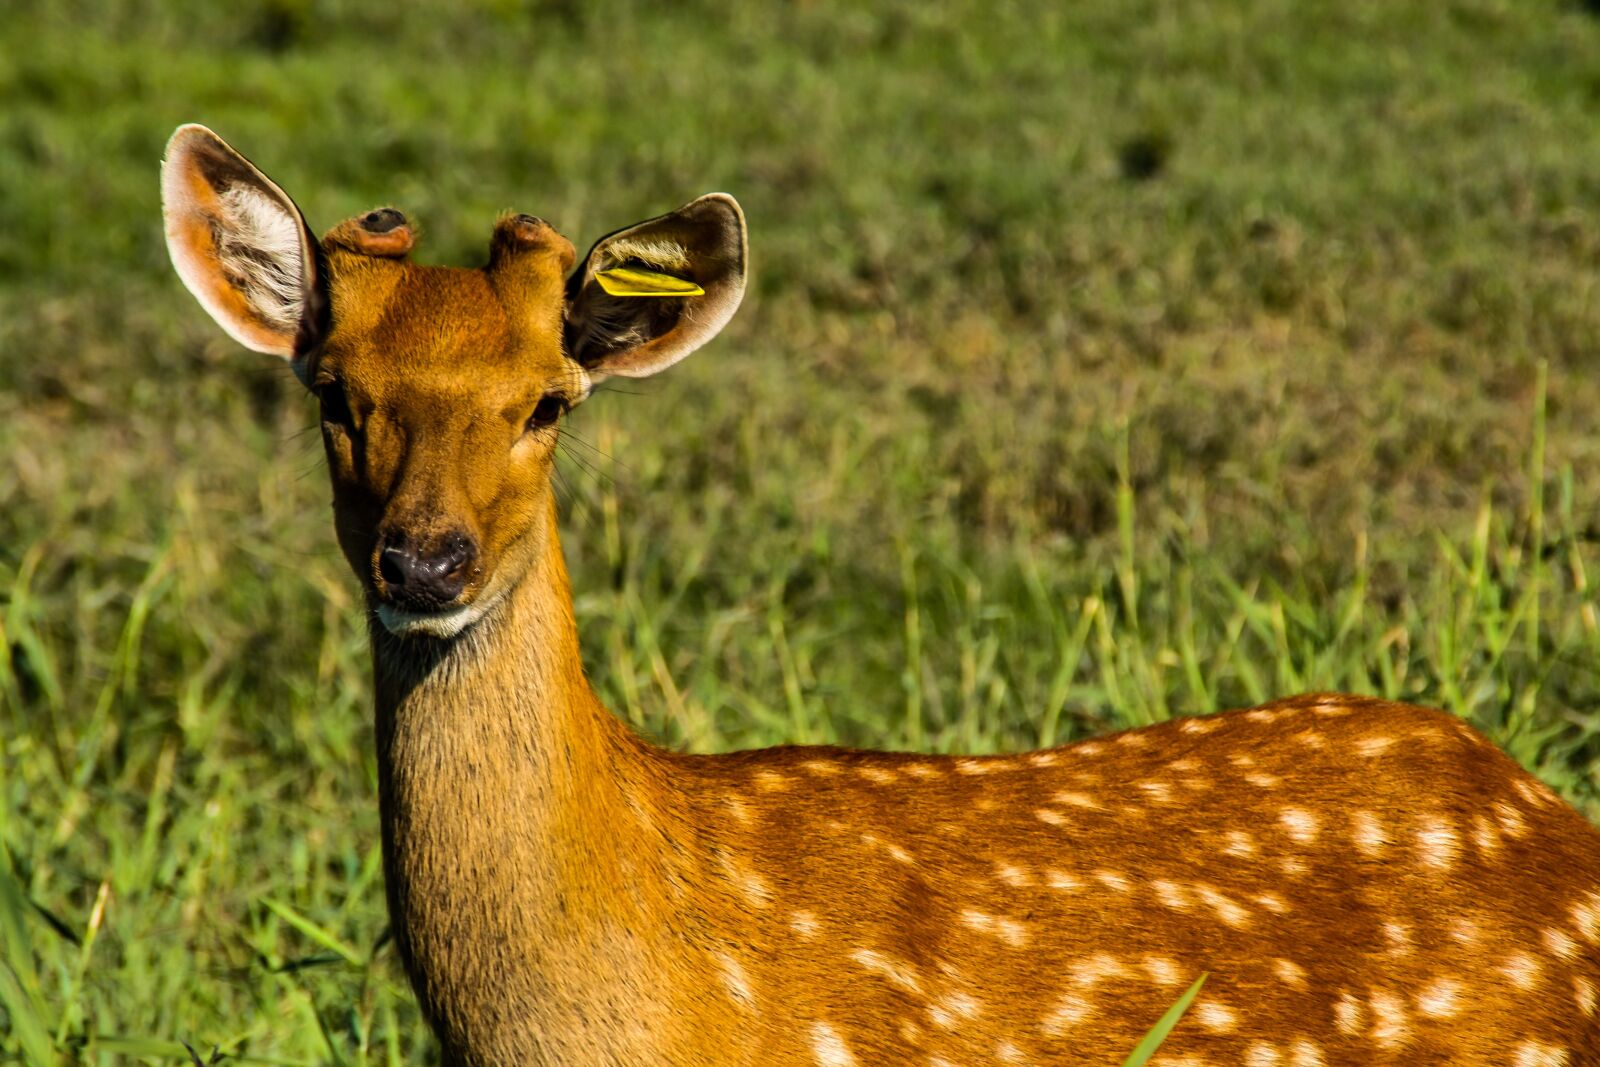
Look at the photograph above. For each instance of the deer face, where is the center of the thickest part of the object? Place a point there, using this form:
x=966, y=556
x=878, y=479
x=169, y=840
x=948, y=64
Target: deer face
x=442, y=389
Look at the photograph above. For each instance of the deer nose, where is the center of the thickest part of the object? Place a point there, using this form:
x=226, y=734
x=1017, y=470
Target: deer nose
x=426, y=580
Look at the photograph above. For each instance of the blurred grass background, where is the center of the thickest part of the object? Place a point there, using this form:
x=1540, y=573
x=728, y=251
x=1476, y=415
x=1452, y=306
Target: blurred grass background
x=1103, y=362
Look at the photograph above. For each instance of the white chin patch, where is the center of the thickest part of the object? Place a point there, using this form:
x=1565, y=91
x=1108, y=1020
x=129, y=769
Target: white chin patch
x=432, y=623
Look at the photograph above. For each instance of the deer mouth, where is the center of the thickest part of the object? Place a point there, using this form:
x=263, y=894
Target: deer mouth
x=439, y=623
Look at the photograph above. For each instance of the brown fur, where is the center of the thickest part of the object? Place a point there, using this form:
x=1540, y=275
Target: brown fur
x=1365, y=882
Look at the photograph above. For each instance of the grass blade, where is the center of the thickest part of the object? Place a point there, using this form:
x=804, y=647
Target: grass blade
x=27, y=1024
x=314, y=932
x=1158, y=1033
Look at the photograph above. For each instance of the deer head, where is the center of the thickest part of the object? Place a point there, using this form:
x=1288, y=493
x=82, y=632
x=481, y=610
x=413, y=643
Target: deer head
x=442, y=388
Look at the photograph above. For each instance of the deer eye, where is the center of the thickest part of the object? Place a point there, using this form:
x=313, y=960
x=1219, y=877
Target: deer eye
x=335, y=405
x=545, y=413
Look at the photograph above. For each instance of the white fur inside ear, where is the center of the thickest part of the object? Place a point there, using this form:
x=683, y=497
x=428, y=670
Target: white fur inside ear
x=655, y=252
x=258, y=246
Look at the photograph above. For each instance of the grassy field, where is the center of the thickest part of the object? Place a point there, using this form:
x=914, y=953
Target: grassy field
x=1103, y=362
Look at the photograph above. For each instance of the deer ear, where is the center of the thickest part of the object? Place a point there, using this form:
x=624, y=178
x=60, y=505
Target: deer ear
x=648, y=295
x=240, y=245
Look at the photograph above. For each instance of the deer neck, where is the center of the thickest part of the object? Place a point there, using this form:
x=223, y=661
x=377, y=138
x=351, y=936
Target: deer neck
x=518, y=818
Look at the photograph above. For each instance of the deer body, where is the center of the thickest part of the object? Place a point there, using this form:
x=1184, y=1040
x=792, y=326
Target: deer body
x=1365, y=882
x=1359, y=878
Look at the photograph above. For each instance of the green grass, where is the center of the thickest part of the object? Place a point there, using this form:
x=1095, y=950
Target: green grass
x=1158, y=1033
x=1103, y=362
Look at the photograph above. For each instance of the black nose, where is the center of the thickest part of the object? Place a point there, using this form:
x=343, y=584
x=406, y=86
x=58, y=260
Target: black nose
x=421, y=579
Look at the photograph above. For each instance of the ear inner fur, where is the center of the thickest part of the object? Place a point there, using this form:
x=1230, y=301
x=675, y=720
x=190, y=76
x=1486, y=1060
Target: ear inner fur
x=240, y=245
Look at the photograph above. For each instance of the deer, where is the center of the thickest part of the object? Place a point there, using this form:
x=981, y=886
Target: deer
x=1363, y=881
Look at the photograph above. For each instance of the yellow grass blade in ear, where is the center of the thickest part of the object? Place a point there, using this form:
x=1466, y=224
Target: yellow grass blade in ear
x=629, y=281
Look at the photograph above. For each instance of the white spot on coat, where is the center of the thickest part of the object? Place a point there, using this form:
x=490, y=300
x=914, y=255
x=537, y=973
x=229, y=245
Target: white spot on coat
x=1389, y=1026
x=772, y=781
x=1306, y=1054
x=1521, y=970
x=1273, y=903
x=1158, y=792
x=1559, y=944
x=1216, y=1017
x=1068, y=1012
x=1348, y=1014
x=735, y=980
x=1012, y=875
x=1510, y=819
x=951, y=1008
x=1061, y=880
x=1299, y=824
x=1228, y=910
x=1162, y=970
x=1092, y=970
x=756, y=889
x=1539, y=1054
x=1262, y=1054
x=1367, y=832
x=1374, y=746
x=1290, y=973
x=1484, y=835
x=1437, y=843
x=1533, y=792
x=1240, y=844
x=1112, y=880
x=1463, y=931
x=1583, y=995
x=829, y=1048
x=898, y=973
x=1440, y=998
x=1586, y=914
x=1010, y=931
x=1172, y=895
